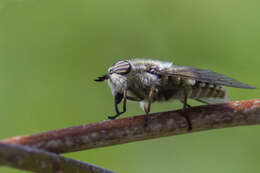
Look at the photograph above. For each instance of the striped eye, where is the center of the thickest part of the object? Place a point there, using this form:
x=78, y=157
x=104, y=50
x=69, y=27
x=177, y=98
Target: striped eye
x=121, y=67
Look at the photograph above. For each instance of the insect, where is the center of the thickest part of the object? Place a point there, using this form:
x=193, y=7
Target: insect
x=148, y=81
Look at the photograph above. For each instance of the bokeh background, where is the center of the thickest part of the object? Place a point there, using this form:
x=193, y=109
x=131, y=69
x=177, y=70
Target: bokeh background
x=50, y=52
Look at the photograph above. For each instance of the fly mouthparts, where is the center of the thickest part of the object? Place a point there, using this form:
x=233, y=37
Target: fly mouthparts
x=102, y=78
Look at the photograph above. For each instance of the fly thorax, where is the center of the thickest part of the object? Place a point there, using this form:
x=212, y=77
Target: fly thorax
x=142, y=82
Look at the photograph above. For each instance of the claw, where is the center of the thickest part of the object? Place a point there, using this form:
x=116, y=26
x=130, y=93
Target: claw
x=115, y=116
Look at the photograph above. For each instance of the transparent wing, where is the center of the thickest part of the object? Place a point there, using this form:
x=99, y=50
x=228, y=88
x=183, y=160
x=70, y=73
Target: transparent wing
x=204, y=76
x=214, y=100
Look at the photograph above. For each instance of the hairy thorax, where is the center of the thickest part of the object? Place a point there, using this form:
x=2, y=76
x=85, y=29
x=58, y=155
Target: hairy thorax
x=139, y=85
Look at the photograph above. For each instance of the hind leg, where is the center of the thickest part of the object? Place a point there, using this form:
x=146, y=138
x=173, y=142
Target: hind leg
x=185, y=112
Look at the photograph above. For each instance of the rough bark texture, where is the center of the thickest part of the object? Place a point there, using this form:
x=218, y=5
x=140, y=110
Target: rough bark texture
x=113, y=132
x=31, y=159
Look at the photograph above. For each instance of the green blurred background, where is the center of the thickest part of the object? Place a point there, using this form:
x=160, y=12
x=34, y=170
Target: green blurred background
x=50, y=52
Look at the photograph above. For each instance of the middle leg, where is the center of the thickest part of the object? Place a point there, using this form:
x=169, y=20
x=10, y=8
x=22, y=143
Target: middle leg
x=147, y=111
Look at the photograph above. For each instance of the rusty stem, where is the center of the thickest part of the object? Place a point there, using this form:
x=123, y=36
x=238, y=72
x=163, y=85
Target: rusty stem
x=32, y=159
x=113, y=132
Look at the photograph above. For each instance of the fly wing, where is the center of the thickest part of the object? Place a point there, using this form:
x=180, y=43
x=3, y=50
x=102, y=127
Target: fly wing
x=204, y=76
x=214, y=100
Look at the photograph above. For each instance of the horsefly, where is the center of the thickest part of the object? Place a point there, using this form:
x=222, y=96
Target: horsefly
x=148, y=81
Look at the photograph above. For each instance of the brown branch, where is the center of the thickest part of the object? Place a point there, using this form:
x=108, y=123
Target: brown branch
x=131, y=129
x=32, y=159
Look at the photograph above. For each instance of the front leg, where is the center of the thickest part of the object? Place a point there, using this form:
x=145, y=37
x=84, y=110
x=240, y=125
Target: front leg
x=118, y=98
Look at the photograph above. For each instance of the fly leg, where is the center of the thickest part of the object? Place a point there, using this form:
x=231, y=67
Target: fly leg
x=185, y=107
x=118, y=98
x=147, y=111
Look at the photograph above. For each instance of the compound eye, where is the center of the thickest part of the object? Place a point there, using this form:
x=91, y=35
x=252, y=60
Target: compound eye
x=121, y=67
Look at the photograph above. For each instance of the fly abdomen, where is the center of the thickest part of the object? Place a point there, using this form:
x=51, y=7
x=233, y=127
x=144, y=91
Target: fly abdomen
x=206, y=90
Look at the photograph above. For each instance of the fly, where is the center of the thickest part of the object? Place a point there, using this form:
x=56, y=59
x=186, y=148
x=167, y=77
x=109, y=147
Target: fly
x=148, y=81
